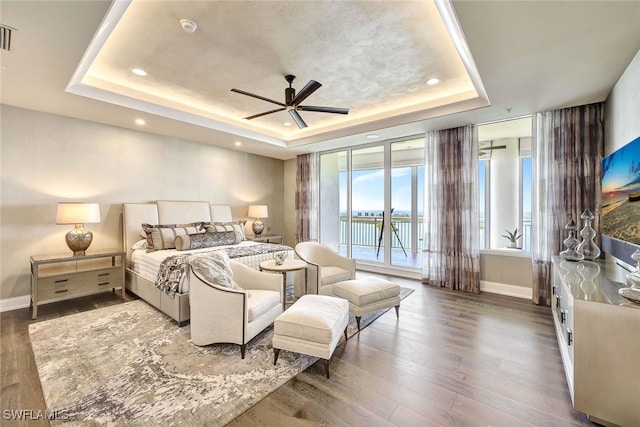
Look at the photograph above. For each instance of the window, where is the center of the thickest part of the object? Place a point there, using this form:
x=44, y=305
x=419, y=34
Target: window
x=505, y=186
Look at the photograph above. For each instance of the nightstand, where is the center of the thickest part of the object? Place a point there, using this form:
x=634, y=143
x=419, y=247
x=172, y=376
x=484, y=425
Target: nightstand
x=267, y=238
x=70, y=276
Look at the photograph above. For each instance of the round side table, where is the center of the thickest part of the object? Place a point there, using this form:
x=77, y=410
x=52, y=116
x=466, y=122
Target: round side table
x=287, y=266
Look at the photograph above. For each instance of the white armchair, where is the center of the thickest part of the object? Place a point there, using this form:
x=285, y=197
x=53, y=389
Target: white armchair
x=325, y=267
x=221, y=314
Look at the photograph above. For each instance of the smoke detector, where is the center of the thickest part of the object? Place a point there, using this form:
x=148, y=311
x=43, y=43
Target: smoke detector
x=188, y=26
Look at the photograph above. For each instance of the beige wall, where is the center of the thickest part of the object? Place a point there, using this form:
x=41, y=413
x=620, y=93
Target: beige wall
x=47, y=158
x=622, y=109
x=514, y=270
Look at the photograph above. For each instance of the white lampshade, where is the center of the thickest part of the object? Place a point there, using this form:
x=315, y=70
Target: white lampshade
x=78, y=213
x=258, y=211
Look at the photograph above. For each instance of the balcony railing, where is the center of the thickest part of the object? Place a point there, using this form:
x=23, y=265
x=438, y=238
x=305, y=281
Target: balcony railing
x=366, y=232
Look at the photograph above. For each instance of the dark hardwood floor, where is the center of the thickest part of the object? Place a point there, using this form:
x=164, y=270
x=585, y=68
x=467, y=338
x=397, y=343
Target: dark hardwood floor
x=452, y=359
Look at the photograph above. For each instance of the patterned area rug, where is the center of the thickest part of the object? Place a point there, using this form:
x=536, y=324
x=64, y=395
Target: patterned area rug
x=129, y=364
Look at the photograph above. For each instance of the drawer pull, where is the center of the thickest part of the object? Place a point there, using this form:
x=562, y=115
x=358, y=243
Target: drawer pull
x=569, y=337
x=103, y=283
x=61, y=281
x=103, y=274
x=563, y=316
x=61, y=291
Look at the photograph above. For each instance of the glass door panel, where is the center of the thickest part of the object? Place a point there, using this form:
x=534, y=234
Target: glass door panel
x=367, y=204
x=407, y=183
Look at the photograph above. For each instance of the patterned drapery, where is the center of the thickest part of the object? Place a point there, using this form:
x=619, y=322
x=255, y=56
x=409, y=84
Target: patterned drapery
x=307, y=197
x=451, y=254
x=567, y=150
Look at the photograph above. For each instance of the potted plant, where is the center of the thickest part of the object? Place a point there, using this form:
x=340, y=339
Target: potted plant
x=513, y=238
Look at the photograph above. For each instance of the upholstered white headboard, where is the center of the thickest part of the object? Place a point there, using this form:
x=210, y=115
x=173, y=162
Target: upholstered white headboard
x=167, y=212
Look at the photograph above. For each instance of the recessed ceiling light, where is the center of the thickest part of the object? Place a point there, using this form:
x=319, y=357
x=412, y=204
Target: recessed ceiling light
x=373, y=136
x=140, y=122
x=432, y=82
x=237, y=143
x=287, y=123
x=188, y=26
x=139, y=72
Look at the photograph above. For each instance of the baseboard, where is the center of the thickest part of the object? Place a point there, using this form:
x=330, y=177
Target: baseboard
x=15, y=303
x=505, y=289
x=407, y=273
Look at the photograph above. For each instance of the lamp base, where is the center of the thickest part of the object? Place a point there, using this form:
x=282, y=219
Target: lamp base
x=257, y=227
x=79, y=239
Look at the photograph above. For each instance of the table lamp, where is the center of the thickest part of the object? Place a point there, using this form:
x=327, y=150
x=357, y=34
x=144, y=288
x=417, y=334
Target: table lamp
x=258, y=212
x=79, y=214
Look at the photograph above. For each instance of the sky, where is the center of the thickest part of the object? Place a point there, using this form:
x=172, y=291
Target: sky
x=621, y=168
x=368, y=189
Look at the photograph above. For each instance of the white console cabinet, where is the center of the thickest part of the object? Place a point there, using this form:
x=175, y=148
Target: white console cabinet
x=599, y=337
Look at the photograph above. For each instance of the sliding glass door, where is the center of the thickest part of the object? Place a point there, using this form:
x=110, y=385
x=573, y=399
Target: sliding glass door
x=371, y=202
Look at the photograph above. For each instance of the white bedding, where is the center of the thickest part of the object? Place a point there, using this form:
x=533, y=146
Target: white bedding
x=147, y=264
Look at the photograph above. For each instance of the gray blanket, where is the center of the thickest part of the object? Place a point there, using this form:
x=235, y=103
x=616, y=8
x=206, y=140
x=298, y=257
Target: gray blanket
x=172, y=275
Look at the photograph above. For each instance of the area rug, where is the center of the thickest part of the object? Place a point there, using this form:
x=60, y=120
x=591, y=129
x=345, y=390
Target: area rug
x=129, y=364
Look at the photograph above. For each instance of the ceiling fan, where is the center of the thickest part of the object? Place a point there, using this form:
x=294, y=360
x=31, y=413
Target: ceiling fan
x=482, y=149
x=292, y=102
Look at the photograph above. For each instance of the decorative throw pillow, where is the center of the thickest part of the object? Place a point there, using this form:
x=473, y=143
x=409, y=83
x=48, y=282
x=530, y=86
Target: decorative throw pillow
x=140, y=244
x=164, y=236
x=205, y=240
x=214, y=269
x=235, y=226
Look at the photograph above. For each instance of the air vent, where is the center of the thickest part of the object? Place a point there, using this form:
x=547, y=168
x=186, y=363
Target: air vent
x=6, y=34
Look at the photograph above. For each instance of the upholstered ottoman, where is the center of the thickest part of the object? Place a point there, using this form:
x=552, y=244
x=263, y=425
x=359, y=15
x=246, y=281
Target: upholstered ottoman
x=368, y=294
x=312, y=325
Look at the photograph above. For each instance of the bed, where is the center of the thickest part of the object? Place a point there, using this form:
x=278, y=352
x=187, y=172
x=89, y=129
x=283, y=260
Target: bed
x=142, y=265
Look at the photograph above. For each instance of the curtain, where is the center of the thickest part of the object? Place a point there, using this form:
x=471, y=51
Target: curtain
x=307, y=197
x=567, y=150
x=451, y=255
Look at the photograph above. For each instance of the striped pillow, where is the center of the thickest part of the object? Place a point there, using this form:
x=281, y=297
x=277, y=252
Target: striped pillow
x=164, y=236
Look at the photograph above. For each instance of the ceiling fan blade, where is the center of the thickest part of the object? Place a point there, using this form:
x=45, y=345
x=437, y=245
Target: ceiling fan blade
x=296, y=117
x=324, y=109
x=258, y=96
x=491, y=147
x=265, y=113
x=307, y=90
